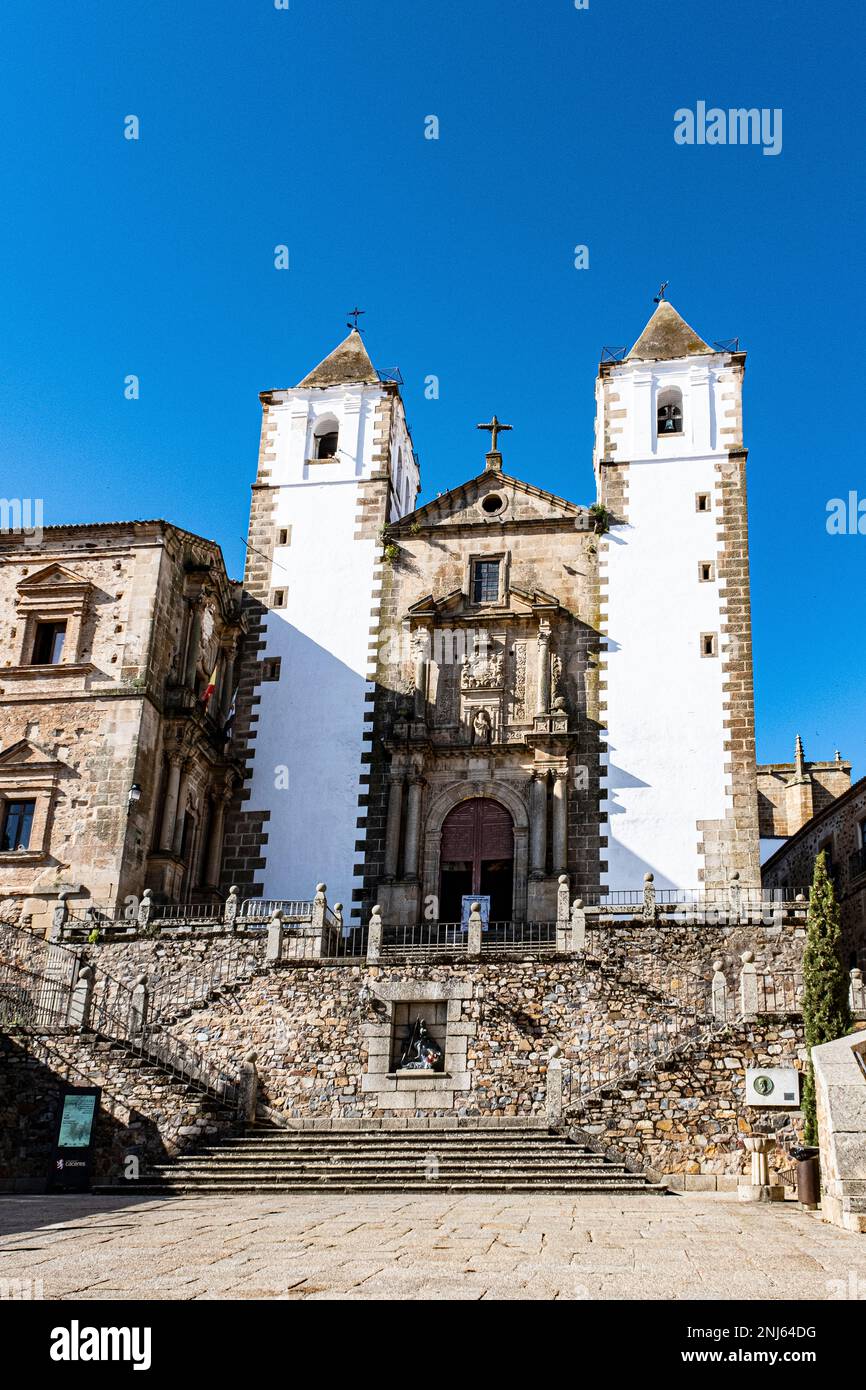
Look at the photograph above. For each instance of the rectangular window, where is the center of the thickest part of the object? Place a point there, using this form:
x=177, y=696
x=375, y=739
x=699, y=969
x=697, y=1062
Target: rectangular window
x=48, y=644
x=708, y=644
x=17, y=824
x=702, y=501
x=279, y=598
x=485, y=581
x=284, y=535
x=271, y=668
x=706, y=571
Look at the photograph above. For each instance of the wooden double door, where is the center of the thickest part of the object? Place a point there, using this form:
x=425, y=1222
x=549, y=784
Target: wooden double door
x=477, y=856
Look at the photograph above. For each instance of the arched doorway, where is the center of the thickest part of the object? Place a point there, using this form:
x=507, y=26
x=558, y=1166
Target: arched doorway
x=477, y=856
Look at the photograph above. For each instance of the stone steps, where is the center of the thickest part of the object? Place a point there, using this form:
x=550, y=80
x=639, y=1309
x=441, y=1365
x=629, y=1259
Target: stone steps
x=466, y=1160
x=608, y=1186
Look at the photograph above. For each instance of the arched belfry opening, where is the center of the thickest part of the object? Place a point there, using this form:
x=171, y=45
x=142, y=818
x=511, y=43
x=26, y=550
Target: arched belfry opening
x=670, y=412
x=477, y=856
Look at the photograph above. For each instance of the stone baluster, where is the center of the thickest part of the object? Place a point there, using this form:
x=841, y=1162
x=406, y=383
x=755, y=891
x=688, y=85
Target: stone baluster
x=578, y=926
x=232, y=907
x=563, y=915
x=274, y=944
x=735, y=898
x=392, y=828
x=474, y=933
x=138, y=1007
x=248, y=1089
x=81, y=1000
x=538, y=824
x=650, y=903
x=748, y=985
x=554, y=1087
x=413, y=828
x=59, y=917
x=563, y=906
x=719, y=991
x=145, y=908
x=560, y=819
x=857, y=994
x=374, y=935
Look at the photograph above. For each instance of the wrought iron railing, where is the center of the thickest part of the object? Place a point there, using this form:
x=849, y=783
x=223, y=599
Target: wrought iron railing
x=780, y=992
x=36, y=985
x=31, y=1000
x=640, y=1045
x=519, y=936
x=302, y=941
x=187, y=914
x=181, y=991
x=729, y=900
x=257, y=912
x=116, y=1014
x=414, y=937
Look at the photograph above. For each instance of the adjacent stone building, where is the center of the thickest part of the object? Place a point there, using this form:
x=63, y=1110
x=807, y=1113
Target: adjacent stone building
x=838, y=828
x=118, y=645
x=790, y=794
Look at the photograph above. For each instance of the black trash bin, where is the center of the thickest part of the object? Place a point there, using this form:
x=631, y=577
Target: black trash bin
x=808, y=1176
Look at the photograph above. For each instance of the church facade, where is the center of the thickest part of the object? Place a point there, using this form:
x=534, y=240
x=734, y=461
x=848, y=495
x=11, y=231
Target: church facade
x=477, y=696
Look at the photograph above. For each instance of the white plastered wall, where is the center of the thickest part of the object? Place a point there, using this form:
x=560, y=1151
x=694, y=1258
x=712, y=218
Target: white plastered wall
x=665, y=765
x=312, y=729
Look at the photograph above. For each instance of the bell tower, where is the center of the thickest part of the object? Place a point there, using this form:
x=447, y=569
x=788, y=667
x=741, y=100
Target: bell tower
x=676, y=667
x=336, y=465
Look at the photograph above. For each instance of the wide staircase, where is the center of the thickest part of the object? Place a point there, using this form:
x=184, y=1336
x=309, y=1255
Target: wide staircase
x=265, y=1160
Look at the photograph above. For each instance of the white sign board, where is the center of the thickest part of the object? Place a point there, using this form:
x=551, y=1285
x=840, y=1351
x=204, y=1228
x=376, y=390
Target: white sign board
x=772, y=1086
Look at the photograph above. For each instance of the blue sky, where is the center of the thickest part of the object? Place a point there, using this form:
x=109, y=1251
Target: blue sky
x=306, y=127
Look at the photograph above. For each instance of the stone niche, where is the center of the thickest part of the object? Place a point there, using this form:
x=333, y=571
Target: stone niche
x=398, y=1004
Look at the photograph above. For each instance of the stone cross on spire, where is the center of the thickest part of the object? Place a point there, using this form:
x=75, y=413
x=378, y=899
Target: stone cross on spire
x=495, y=426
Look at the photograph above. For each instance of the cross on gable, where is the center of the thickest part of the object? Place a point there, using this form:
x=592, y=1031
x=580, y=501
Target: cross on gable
x=495, y=427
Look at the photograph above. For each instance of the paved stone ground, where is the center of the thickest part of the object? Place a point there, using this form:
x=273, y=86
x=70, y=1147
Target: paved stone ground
x=433, y=1247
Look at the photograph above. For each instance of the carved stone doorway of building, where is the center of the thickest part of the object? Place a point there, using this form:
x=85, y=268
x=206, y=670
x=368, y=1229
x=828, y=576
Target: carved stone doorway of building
x=477, y=856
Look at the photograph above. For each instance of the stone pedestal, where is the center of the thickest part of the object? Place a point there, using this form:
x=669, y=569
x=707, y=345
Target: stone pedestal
x=760, y=1189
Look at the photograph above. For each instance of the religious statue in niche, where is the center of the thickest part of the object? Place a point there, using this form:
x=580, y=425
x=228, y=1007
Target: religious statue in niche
x=207, y=653
x=422, y=1052
x=482, y=729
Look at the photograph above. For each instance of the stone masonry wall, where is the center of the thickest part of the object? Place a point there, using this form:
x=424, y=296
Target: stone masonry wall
x=143, y=1112
x=689, y=1120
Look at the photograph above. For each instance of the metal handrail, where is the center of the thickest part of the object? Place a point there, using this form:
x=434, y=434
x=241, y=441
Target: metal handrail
x=179, y=992
x=261, y=910
x=29, y=999
x=121, y=1020
x=780, y=992
x=46, y=998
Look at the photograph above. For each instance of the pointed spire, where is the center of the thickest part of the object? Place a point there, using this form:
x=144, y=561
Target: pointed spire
x=667, y=336
x=799, y=758
x=349, y=362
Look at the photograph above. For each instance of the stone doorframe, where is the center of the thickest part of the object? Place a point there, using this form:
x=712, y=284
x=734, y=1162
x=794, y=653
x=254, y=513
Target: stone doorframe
x=450, y=797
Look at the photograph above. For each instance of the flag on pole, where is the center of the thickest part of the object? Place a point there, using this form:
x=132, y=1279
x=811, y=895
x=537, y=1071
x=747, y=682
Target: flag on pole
x=210, y=688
